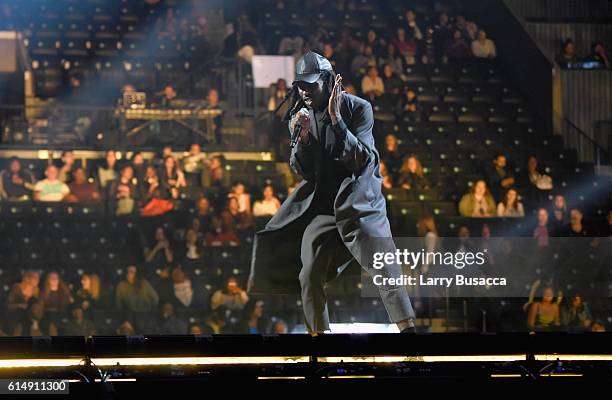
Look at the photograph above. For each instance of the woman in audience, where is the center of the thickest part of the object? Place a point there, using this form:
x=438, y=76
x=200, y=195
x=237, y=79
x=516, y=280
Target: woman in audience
x=193, y=247
x=221, y=233
x=172, y=179
x=559, y=214
x=268, y=205
x=426, y=228
x=139, y=165
x=124, y=192
x=234, y=219
x=21, y=293
x=510, y=206
x=405, y=46
x=538, y=184
x=575, y=314
x=161, y=253
x=252, y=321
x=544, y=314
x=151, y=187
x=407, y=107
x=107, y=171
x=244, y=199
x=135, y=294
x=387, y=182
x=478, y=202
x=215, y=175
x=391, y=156
x=411, y=175
x=56, y=294
x=88, y=295
x=483, y=47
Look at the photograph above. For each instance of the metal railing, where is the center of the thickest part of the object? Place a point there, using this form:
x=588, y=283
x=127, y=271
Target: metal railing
x=588, y=150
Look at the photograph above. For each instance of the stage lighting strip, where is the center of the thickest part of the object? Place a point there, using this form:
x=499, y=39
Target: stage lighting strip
x=573, y=357
x=397, y=359
x=198, y=360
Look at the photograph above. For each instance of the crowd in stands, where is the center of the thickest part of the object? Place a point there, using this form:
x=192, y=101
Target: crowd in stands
x=596, y=59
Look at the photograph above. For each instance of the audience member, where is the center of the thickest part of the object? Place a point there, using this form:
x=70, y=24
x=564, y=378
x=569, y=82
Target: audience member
x=541, y=231
x=169, y=323
x=483, y=47
x=16, y=182
x=194, y=164
x=78, y=325
x=268, y=205
x=575, y=314
x=160, y=253
x=81, y=190
x=372, y=85
x=544, y=314
x=23, y=292
x=124, y=192
x=56, y=295
x=499, y=176
x=89, y=295
x=576, y=227
x=510, y=206
x=560, y=216
x=598, y=55
x=567, y=58
x=408, y=107
x=108, y=171
x=135, y=294
x=51, y=189
x=232, y=297
x=478, y=202
x=172, y=179
x=411, y=176
x=35, y=322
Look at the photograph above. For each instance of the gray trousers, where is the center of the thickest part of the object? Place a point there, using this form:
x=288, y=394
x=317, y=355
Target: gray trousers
x=321, y=253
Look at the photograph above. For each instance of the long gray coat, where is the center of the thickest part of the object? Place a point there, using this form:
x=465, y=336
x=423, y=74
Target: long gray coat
x=359, y=205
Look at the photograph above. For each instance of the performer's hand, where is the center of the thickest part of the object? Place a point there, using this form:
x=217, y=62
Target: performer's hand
x=335, y=100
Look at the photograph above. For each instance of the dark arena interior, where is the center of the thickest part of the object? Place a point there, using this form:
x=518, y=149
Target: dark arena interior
x=145, y=142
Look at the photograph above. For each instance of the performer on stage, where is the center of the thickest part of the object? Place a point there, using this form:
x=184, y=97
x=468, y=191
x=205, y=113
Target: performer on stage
x=337, y=212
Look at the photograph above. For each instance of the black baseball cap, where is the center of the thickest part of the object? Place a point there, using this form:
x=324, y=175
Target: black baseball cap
x=310, y=67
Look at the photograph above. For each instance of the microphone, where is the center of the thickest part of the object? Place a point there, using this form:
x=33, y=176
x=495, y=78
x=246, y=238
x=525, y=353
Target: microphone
x=295, y=136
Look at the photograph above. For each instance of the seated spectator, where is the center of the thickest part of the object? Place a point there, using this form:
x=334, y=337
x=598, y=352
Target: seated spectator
x=56, y=294
x=234, y=219
x=124, y=191
x=443, y=35
x=405, y=46
x=140, y=168
x=244, y=199
x=458, y=50
x=478, y=202
x=171, y=179
x=576, y=227
x=371, y=84
x=411, y=175
x=67, y=167
x=468, y=29
x=429, y=48
x=51, y=189
x=541, y=231
x=221, y=233
x=426, y=228
x=168, y=323
x=107, y=171
x=499, y=176
x=567, y=58
x=194, y=164
x=232, y=297
x=408, y=107
x=21, y=293
x=392, y=58
x=251, y=321
x=125, y=329
x=215, y=175
x=377, y=43
x=544, y=314
x=575, y=314
x=82, y=191
x=387, y=182
x=135, y=294
x=510, y=206
x=279, y=327
x=193, y=247
x=78, y=325
x=151, y=187
x=560, y=216
x=160, y=253
x=598, y=55
x=35, y=322
x=88, y=296
x=391, y=82
x=483, y=47
x=182, y=293
x=268, y=205
x=391, y=156
x=16, y=183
